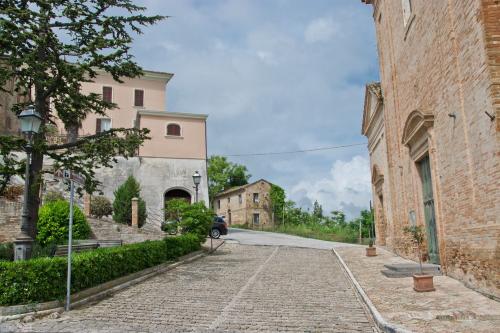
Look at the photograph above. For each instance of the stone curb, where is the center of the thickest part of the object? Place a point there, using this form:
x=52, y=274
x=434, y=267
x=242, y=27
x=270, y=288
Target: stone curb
x=98, y=292
x=382, y=324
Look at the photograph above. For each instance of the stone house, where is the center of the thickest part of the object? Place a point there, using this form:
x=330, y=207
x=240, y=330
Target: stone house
x=433, y=128
x=164, y=165
x=248, y=204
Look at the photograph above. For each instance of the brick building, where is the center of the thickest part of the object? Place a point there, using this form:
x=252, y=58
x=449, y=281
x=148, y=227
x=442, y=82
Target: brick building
x=248, y=204
x=433, y=126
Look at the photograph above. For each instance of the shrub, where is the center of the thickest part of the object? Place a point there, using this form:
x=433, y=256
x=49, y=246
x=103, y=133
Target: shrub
x=7, y=251
x=197, y=219
x=100, y=206
x=194, y=218
x=53, y=223
x=122, y=206
x=44, y=279
x=52, y=196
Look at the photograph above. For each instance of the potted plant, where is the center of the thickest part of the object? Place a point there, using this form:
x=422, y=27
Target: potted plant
x=371, y=251
x=421, y=282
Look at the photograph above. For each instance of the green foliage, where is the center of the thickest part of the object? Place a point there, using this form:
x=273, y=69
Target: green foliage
x=44, y=279
x=52, y=196
x=277, y=196
x=51, y=47
x=6, y=251
x=317, y=209
x=416, y=233
x=53, y=223
x=100, y=206
x=122, y=206
x=223, y=175
x=193, y=218
x=197, y=219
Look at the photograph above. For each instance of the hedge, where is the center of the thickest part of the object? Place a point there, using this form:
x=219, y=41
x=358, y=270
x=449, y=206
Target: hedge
x=44, y=279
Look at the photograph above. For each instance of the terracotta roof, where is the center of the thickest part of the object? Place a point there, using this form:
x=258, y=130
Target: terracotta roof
x=237, y=188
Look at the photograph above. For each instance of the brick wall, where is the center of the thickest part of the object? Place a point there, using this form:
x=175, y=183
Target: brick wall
x=10, y=217
x=445, y=63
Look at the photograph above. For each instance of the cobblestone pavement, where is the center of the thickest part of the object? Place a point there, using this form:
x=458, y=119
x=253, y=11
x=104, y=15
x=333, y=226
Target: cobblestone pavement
x=238, y=288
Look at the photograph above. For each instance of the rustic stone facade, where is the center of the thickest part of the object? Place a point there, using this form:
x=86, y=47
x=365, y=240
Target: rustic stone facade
x=248, y=204
x=440, y=81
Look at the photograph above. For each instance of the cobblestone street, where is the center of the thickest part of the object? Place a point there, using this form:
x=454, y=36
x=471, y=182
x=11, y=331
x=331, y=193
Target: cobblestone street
x=238, y=288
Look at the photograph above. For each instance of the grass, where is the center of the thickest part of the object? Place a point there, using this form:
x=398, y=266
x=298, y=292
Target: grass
x=315, y=231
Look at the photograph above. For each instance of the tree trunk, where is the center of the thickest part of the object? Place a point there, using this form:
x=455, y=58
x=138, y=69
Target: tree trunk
x=71, y=133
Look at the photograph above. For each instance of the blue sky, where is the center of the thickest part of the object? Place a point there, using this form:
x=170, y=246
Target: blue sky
x=274, y=75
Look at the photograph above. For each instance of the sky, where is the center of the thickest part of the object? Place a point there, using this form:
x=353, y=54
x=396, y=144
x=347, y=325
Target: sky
x=274, y=76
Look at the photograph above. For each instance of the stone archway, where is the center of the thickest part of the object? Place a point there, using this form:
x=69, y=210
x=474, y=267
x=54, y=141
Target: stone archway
x=177, y=193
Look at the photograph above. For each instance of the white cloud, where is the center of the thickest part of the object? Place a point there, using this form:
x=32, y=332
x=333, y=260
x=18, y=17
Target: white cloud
x=320, y=30
x=347, y=188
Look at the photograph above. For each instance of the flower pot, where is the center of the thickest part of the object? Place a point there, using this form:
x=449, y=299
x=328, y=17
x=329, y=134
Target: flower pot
x=371, y=251
x=423, y=283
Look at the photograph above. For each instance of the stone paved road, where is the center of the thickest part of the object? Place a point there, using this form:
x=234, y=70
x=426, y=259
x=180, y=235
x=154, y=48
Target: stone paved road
x=239, y=288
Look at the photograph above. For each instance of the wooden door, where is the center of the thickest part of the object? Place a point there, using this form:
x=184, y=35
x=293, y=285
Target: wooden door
x=430, y=217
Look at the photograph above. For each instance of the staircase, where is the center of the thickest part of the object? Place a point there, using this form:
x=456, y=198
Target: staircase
x=407, y=270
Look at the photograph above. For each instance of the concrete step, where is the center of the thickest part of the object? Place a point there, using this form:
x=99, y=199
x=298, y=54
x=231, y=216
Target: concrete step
x=407, y=270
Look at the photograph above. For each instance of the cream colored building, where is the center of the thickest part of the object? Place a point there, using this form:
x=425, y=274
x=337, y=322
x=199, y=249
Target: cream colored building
x=248, y=204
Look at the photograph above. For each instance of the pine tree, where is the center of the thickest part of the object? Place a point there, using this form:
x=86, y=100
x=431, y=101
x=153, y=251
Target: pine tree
x=49, y=48
x=122, y=205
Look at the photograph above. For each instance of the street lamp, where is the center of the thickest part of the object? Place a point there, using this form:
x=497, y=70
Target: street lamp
x=30, y=124
x=196, y=181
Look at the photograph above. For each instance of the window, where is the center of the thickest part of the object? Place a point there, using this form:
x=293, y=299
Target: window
x=107, y=94
x=138, y=97
x=406, y=11
x=218, y=204
x=240, y=199
x=174, y=130
x=256, y=197
x=102, y=124
x=256, y=218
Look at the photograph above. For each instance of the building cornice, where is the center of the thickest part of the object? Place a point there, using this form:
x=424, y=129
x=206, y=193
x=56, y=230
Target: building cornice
x=172, y=114
x=147, y=75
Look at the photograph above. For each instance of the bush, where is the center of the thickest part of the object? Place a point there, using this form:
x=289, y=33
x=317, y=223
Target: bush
x=197, y=219
x=44, y=279
x=7, y=251
x=122, y=206
x=100, y=206
x=52, y=196
x=53, y=223
x=194, y=218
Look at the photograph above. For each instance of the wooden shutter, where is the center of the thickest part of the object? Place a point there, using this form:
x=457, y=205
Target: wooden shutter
x=107, y=94
x=139, y=97
x=98, y=126
x=173, y=129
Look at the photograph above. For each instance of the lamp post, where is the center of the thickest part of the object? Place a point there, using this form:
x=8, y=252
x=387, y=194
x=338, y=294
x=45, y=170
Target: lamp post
x=196, y=181
x=30, y=124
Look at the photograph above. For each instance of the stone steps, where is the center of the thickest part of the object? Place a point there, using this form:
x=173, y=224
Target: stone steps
x=408, y=270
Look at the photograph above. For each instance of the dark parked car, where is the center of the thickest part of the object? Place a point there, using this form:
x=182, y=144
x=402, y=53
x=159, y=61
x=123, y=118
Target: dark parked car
x=219, y=227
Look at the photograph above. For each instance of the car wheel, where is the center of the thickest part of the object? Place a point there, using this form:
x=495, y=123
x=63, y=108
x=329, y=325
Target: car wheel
x=215, y=233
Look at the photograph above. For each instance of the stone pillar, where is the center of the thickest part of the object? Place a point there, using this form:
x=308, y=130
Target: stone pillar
x=86, y=204
x=135, y=212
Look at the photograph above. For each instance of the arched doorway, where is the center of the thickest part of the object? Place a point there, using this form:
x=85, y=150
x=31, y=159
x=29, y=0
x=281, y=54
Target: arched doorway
x=177, y=194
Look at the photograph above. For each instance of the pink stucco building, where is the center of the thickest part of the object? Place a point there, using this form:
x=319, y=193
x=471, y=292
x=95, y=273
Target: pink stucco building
x=164, y=165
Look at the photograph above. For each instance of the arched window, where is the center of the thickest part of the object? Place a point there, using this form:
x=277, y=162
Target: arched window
x=174, y=129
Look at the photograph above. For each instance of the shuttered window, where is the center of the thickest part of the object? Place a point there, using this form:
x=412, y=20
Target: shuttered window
x=107, y=94
x=139, y=97
x=173, y=129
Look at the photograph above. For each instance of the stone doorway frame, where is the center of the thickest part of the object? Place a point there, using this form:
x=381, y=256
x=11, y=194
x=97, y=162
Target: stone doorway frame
x=417, y=136
x=379, y=210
